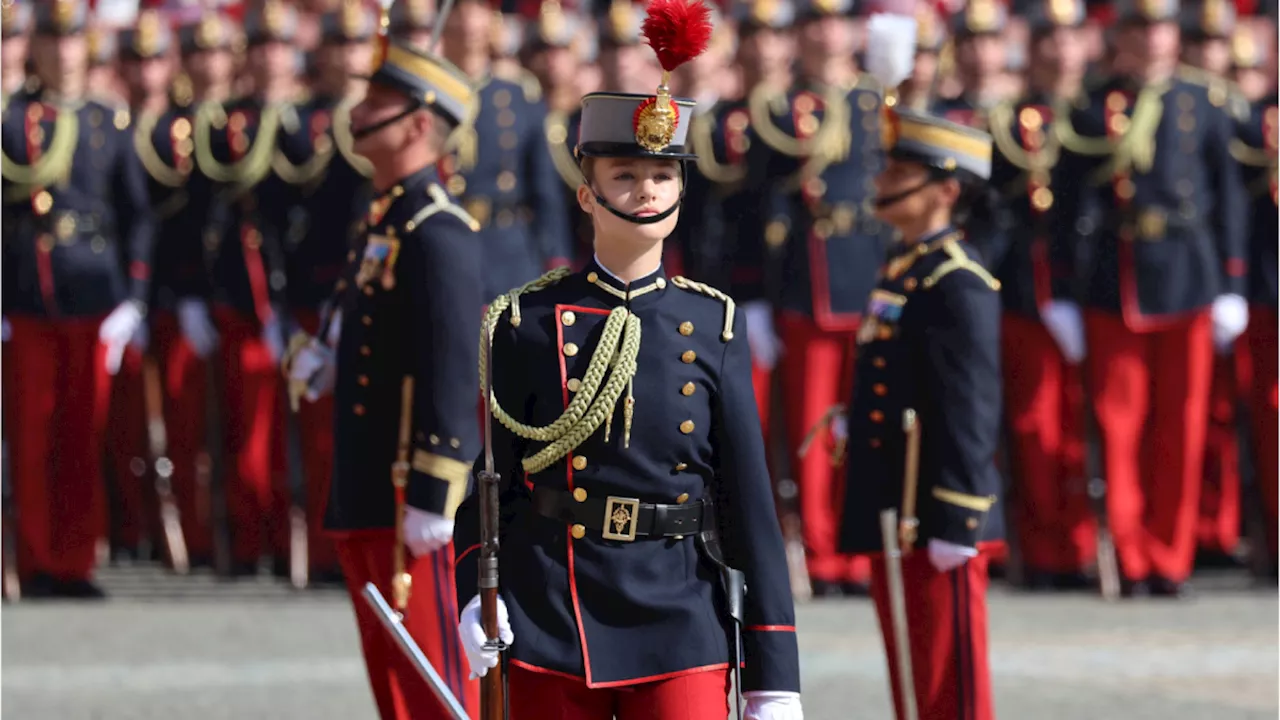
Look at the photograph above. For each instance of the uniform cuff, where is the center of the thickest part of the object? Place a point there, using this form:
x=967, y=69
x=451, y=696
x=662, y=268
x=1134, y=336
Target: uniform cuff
x=771, y=657
x=963, y=516
x=437, y=483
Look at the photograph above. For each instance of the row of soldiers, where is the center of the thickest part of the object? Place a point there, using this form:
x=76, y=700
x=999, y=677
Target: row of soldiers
x=165, y=248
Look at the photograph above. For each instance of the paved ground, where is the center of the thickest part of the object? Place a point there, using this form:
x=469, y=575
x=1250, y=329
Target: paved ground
x=196, y=649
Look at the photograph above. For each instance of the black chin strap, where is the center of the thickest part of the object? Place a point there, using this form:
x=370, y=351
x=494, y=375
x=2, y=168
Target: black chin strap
x=642, y=219
x=884, y=202
x=364, y=132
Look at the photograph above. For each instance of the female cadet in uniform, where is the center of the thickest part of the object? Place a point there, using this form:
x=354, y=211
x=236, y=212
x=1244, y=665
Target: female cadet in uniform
x=617, y=453
x=929, y=350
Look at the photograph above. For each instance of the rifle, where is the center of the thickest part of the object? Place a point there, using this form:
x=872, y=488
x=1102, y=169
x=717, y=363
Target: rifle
x=157, y=446
x=493, y=705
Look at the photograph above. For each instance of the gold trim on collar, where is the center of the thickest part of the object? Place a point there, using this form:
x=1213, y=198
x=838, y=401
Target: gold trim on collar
x=626, y=295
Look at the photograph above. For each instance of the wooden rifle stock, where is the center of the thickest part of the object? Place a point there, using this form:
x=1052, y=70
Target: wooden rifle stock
x=158, y=447
x=492, y=685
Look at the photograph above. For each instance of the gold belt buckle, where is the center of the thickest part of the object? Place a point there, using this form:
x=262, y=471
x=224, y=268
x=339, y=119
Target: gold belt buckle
x=1152, y=224
x=621, y=515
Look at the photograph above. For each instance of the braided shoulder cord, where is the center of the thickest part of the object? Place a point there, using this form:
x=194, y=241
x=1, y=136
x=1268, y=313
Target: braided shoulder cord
x=685, y=283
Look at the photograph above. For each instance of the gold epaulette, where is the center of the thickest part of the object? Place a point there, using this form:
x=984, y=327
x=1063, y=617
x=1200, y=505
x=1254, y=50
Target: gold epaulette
x=958, y=260
x=556, y=127
x=441, y=203
x=726, y=333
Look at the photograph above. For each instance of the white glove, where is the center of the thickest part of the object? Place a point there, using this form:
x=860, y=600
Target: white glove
x=1230, y=315
x=314, y=365
x=271, y=337
x=197, y=329
x=1065, y=323
x=116, y=332
x=761, y=337
x=7, y=332
x=332, y=337
x=840, y=427
x=946, y=556
x=772, y=705
x=471, y=632
x=425, y=532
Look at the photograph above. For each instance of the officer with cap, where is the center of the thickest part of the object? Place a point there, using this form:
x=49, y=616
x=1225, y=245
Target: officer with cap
x=670, y=444
x=1207, y=28
x=818, y=152
x=407, y=306
x=1042, y=390
x=1150, y=260
x=918, y=91
x=500, y=165
x=411, y=22
x=334, y=194
x=13, y=51
x=980, y=50
x=77, y=265
x=242, y=148
x=104, y=81
x=927, y=395
x=625, y=62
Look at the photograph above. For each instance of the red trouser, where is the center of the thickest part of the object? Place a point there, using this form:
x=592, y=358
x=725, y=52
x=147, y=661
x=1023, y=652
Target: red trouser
x=256, y=509
x=1150, y=392
x=817, y=373
x=947, y=634
x=431, y=618
x=57, y=394
x=541, y=695
x=1044, y=407
x=1264, y=410
x=184, y=374
x=315, y=431
x=133, y=507
x=1218, y=528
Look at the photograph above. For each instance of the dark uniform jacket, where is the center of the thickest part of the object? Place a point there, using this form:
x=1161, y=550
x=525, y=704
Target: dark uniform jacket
x=1157, y=200
x=930, y=342
x=503, y=173
x=821, y=237
x=562, y=137
x=334, y=194
x=618, y=612
x=963, y=109
x=1024, y=173
x=78, y=229
x=181, y=198
x=1255, y=149
x=722, y=218
x=411, y=303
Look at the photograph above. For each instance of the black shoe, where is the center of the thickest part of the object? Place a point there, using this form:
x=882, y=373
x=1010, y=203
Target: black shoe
x=78, y=590
x=1162, y=587
x=328, y=577
x=1072, y=581
x=1039, y=581
x=849, y=588
x=244, y=569
x=39, y=586
x=826, y=589
x=1134, y=588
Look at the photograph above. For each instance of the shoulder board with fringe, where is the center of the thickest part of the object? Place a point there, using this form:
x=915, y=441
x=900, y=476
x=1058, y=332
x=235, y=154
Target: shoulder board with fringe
x=726, y=333
x=511, y=298
x=440, y=203
x=958, y=260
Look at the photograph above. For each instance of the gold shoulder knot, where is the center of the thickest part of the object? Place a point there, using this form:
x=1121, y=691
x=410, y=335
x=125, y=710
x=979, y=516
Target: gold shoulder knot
x=440, y=202
x=726, y=333
x=958, y=260
x=511, y=298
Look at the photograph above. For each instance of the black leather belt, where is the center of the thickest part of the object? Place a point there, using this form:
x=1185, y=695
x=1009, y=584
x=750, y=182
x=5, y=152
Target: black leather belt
x=623, y=519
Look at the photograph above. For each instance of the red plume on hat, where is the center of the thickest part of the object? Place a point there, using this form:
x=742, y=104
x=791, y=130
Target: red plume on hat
x=678, y=31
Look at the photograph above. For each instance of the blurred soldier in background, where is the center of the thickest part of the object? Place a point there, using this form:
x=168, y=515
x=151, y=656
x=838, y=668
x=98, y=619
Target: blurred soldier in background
x=104, y=81
x=13, y=49
x=980, y=59
x=77, y=253
x=918, y=91
x=500, y=165
x=1044, y=406
x=1157, y=253
x=411, y=21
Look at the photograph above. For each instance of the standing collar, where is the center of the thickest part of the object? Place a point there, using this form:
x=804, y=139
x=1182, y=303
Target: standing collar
x=408, y=185
x=606, y=282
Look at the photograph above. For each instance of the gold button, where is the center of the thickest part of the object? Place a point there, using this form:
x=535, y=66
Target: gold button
x=578, y=532
x=46, y=243
x=592, y=277
x=1125, y=189
x=366, y=320
x=1119, y=124
x=358, y=409
x=909, y=284
x=681, y=466
x=688, y=389
x=579, y=494
x=884, y=333
x=456, y=185
x=42, y=203
x=877, y=416
x=568, y=318
x=574, y=384
x=660, y=282
x=686, y=328
x=363, y=380
x=580, y=463
x=686, y=427
x=570, y=349
x=435, y=439
x=684, y=498
x=878, y=362
x=971, y=523
x=879, y=389
x=875, y=442
x=506, y=181
x=455, y=443
x=689, y=356
x=365, y=351
x=368, y=290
